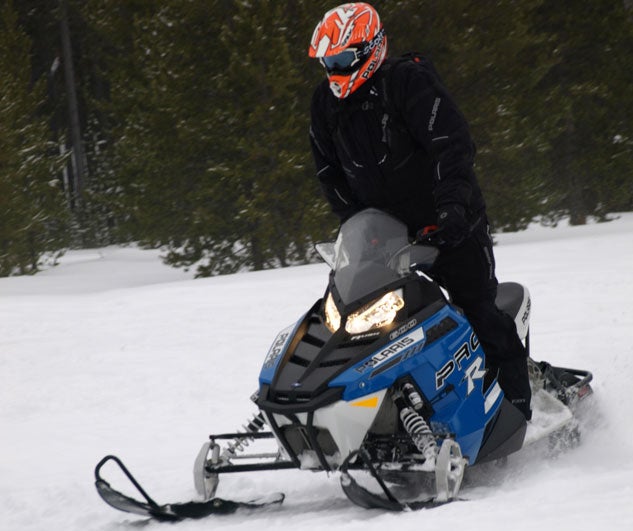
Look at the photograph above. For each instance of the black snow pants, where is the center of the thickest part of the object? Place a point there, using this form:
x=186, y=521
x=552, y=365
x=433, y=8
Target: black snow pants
x=468, y=273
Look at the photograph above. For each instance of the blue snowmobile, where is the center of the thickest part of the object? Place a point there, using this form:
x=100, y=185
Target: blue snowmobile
x=382, y=381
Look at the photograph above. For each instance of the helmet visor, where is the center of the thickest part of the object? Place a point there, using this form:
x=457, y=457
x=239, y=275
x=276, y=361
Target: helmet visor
x=344, y=62
x=351, y=59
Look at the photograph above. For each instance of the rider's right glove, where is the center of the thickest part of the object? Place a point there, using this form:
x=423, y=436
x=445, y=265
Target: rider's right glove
x=453, y=226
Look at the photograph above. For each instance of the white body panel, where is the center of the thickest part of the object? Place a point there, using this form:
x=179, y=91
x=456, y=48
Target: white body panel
x=347, y=422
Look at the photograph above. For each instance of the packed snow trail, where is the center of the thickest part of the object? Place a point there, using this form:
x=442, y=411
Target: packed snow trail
x=112, y=352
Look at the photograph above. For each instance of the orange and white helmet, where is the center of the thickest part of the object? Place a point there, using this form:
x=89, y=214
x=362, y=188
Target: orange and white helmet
x=351, y=44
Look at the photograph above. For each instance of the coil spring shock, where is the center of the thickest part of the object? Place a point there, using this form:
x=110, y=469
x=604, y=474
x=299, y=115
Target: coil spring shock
x=414, y=423
x=240, y=442
x=419, y=430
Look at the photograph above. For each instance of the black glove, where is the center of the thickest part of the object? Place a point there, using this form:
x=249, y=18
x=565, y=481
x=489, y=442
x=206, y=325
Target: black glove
x=453, y=227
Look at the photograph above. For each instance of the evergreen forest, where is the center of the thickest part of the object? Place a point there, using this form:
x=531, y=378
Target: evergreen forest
x=183, y=124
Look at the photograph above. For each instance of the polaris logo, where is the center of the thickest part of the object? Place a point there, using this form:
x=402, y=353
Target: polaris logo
x=367, y=73
x=277, y=348
x=526, y=314
x=403, y=344
x=436, y=106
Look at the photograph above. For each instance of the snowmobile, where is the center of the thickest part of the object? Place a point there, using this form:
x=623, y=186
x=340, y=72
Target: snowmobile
x=383, y=382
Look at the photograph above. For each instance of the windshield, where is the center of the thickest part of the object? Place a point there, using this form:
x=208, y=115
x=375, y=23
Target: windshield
x=372, y=249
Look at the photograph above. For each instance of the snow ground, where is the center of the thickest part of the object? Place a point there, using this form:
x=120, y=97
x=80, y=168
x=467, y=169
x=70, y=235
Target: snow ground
x=113, y=352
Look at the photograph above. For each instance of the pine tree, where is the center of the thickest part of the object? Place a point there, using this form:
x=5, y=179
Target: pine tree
x=581, y=107
x=197, y=113
x=32, y=206
x=478, y=49
x=265, y=120
x=209, y=152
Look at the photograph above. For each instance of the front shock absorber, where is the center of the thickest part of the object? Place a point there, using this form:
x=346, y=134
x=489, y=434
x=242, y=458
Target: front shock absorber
x=212, y=457
x=239, y=444
x=409, y=402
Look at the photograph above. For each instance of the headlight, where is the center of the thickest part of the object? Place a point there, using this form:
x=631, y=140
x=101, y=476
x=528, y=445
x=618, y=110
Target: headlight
x=374, y=315
x=332, y=315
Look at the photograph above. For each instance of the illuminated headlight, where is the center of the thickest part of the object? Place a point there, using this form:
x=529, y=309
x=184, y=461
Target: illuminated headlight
x=332, y=315
x=374, y=315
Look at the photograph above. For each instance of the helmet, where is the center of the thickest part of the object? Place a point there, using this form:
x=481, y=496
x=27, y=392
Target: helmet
x=351, y=44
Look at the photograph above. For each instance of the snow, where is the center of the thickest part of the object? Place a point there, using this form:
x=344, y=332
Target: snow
x=113, y=352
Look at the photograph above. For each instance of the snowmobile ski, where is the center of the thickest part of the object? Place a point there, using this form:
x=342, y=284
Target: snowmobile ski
x=171, y=512
x=448, y=475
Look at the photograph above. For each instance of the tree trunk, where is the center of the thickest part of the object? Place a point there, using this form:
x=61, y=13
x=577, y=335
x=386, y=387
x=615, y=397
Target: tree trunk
x=73, y=107
x=575, y=203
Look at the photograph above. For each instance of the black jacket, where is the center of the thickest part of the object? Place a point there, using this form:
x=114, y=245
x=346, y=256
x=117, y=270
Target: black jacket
x=399, y=143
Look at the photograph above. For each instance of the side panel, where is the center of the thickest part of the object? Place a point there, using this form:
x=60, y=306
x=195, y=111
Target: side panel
x=349, y=422
x=346, y=422
x=445, y=359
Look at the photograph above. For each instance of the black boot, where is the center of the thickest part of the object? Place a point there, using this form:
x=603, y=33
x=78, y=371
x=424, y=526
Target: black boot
x=515, y=382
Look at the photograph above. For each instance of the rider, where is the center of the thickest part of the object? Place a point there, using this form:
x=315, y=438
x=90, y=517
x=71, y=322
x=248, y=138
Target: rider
x=385, y=133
